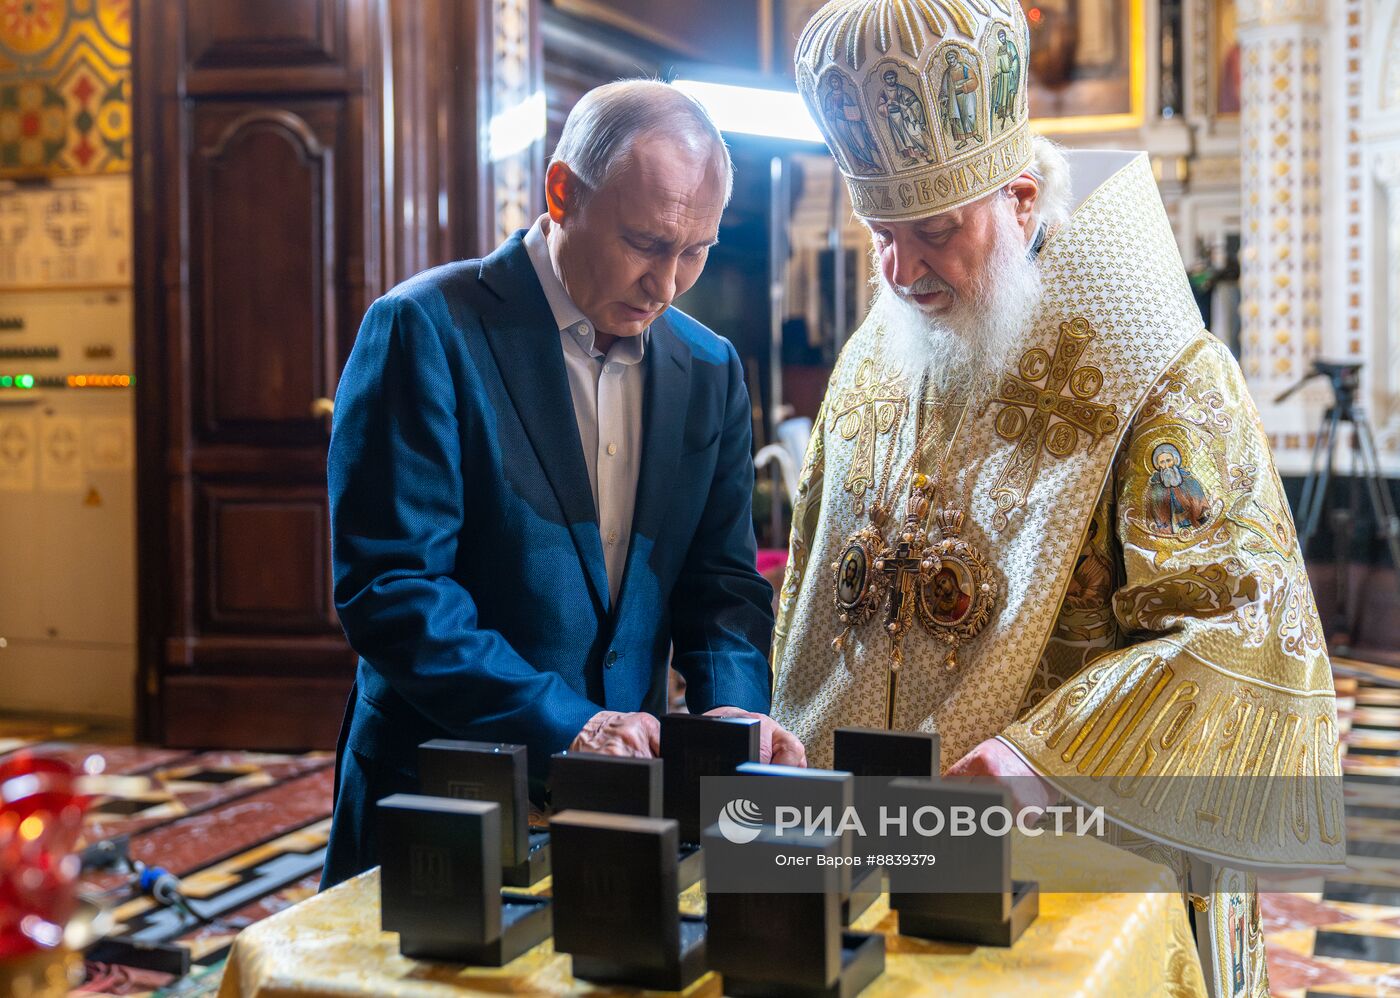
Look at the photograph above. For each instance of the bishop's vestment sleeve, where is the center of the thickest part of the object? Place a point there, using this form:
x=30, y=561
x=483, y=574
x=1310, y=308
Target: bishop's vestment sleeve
x=806, y=512
x=1213, y=728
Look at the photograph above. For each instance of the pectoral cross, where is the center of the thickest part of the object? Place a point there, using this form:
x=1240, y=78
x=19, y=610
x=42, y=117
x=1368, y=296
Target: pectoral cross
x=907, y=563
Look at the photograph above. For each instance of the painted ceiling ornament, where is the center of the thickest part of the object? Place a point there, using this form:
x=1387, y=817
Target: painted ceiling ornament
x=924, y=103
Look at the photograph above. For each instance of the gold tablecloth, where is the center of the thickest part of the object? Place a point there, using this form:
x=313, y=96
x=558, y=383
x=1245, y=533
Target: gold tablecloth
x=1082, y=944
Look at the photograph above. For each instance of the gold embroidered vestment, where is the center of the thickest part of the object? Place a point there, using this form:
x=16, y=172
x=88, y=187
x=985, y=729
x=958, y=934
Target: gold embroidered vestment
x=1157, y=649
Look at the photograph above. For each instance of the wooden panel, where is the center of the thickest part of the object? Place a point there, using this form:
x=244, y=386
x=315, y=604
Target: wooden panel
x=253, y=713
x=288, y=655
x=266, y=549
x=438, y=201
x=263, y=247
x=266, y=194
x=244, y=33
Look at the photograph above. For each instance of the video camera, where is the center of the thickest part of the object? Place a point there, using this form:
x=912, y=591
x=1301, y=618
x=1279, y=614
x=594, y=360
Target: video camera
x=1344, y=375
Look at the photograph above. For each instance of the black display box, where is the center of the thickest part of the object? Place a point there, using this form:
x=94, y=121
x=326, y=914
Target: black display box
x=440, y=883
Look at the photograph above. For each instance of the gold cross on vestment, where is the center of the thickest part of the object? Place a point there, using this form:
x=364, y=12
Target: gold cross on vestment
x=870, y=408
x=1038, y=417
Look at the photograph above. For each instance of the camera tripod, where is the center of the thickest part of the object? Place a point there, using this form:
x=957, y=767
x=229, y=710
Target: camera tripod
x=1317, y=495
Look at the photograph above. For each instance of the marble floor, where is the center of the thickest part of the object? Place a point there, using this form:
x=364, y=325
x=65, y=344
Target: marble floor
x=1343, y=936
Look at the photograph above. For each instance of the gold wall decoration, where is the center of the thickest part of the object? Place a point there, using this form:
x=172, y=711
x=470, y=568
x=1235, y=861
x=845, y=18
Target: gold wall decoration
x=1099, y=81
x=65, y=87
x=74, y=232
x=1358, y=298
x=1282, y=151
x=515, y=82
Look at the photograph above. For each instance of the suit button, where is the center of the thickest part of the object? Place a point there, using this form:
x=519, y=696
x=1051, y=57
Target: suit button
x=610, y=659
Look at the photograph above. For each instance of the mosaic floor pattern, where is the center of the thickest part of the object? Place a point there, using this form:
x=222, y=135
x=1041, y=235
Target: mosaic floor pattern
x=245, y=832
x=1342, y=937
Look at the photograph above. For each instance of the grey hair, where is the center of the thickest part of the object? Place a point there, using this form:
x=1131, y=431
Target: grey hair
x=1050, y=168
x=603, y=125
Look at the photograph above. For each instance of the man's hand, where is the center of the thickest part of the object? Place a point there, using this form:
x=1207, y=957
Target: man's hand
x=612, y=732
x=775, y=743
x=993, y=758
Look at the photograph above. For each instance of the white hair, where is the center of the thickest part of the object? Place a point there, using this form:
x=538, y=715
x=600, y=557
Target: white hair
x=604, y=124
x=1050, y=169
x=960, y=351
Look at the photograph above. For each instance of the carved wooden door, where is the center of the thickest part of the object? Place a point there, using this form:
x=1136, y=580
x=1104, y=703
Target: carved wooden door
x=257, y=253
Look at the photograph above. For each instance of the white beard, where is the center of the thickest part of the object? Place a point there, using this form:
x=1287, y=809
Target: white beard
x=962, y=350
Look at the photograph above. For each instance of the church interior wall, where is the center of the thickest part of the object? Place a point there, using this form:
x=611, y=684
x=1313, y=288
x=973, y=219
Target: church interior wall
x=67, y=491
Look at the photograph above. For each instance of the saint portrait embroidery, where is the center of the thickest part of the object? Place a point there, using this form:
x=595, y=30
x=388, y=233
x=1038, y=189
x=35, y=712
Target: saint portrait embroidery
x=1091, y=585
x=1177, y=485
x=902, y=110
x=957, y=98
x=1176, y=500
x=846, y=124
x=1006, y=82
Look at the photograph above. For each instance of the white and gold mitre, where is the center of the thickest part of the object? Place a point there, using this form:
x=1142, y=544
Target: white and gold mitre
x=923, y=102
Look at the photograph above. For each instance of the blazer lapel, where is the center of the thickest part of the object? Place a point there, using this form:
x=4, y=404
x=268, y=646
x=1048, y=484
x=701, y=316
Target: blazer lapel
x=525, y=342
x=664, y=407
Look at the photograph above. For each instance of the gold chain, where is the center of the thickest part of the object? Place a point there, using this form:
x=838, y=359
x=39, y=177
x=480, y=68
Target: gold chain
x=879, y=501
x=948, y=452
x=877, y=507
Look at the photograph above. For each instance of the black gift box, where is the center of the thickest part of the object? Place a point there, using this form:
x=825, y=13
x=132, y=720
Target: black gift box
x=994, y=916
x=490, y=771
x=615, y=784
x=695, y=746
x=790, y=944
x=875, y=752
x=612, y=784
x=440, y=883
x=815, y=789
x=615, y=901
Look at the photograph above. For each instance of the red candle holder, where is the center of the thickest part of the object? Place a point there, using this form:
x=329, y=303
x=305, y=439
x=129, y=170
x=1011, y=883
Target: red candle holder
x=41, y=818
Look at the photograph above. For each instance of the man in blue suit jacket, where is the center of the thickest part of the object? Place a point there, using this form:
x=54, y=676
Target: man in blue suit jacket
x=540, y=479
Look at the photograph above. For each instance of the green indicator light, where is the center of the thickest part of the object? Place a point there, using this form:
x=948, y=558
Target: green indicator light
x=25, y=381
x=6, y=381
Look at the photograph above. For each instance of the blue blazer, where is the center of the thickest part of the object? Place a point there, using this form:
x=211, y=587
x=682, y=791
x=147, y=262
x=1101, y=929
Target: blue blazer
x=469, y=571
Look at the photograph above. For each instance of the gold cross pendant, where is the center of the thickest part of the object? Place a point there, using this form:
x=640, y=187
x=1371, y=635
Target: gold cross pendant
x=873, y=573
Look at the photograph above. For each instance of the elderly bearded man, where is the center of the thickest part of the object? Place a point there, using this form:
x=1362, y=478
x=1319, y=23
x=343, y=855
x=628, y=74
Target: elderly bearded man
x=540, y=478
x=995, y=426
